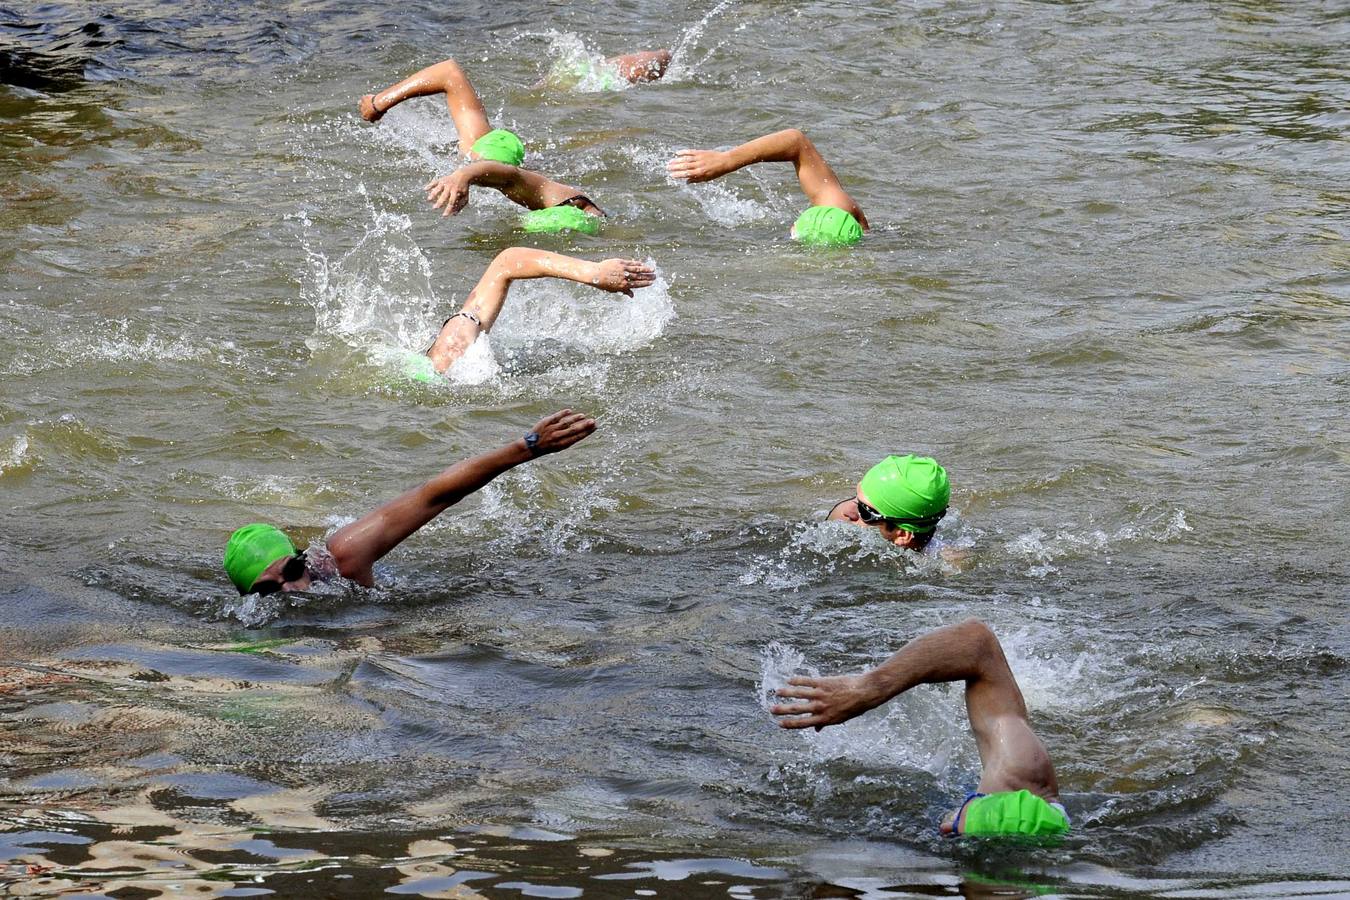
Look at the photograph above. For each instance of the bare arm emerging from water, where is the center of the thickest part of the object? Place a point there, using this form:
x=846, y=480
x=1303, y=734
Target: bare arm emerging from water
x=530, y=189
x=621, y=276
x=818, y=181
x=357, y=546
x=444, y=77
x=1012, y=756
x=471, y=121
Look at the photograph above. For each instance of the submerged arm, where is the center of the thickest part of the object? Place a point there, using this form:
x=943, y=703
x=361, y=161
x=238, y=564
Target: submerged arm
x=357, y=546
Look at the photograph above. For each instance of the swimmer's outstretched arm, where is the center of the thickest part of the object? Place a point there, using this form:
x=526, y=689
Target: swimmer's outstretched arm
x=817, y=179
x=530, y=189
x=444, y=77
x=620, y=276
x=1013, y=757
x=357, y=546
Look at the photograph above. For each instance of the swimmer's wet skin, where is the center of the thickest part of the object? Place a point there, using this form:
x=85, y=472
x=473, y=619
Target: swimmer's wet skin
x=497, y=153
x=450, y=193
x=905, y=497
x=1017, y=779
x=822, y=224
x=619, y=276
x=260, y=559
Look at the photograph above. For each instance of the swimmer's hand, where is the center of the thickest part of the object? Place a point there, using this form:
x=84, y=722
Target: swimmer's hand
x=695, y=166
x=368, y=110
x=825, y=701
x=561, y=430
x=449, y=192
x=621, y=276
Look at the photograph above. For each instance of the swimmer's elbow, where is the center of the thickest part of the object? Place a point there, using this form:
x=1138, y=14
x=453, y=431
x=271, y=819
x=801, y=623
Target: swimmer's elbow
x=513, y=260
x=350, y=559
x=797, y=138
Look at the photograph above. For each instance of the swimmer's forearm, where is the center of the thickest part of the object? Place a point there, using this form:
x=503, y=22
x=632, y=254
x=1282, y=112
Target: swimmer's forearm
x=521, y=263
x=781, y=146
x=944, y=654
x=443, y=77
x=356, y=547
x=530, y=189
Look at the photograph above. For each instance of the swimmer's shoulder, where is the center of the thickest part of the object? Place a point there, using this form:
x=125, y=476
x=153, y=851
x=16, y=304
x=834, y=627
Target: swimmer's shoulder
x=843, y=511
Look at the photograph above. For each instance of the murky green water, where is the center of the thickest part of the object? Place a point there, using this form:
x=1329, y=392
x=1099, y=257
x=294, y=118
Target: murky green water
x=1106, y=285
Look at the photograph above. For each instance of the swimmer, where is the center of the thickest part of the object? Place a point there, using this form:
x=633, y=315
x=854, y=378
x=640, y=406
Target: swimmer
x=496, y=154
x=904, y=497
x=618, y=276
x=260, y=558
x=834, y=216
x=1018, y=793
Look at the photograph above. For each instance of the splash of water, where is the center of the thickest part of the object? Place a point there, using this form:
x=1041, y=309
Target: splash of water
x=816, y=549
x=1043, y=550
x=680, y=68
x=577, y=68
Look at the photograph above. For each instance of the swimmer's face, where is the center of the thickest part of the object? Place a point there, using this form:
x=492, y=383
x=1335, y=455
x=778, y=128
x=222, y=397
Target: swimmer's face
x=284, y=575
x=897, y=536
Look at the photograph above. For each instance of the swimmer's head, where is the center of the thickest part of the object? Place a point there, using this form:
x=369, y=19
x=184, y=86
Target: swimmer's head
x=500, y=145
x=906, y=497
x=1008, y=814
x=418, y=367
x=560, y=218
x=251, y=550
x=827, y=226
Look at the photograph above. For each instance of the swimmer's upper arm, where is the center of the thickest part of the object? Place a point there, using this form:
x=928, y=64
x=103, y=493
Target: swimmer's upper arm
x=530, y=189
x=353, y=560
x=818, y=181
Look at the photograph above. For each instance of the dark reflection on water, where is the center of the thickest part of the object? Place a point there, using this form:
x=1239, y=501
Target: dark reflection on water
x=62, y=857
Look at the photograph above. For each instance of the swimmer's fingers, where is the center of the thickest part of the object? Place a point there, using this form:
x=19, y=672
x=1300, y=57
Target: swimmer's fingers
x=695, y=166
x=638, y=275
x=561, y=430
x=682, y=165
x=802, y=691
x=799, y=715
x=622, y=276
x=448, y=193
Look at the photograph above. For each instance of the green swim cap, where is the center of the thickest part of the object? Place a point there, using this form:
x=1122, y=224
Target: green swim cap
x=252, y=549
x=827, y=226
x=908, y=487
x=418, y=367
x=1013, y=812
x=570, y=73
x=560, y=218
x=500, y=145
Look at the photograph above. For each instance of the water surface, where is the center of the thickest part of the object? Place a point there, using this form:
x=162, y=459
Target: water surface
x=1106, y=286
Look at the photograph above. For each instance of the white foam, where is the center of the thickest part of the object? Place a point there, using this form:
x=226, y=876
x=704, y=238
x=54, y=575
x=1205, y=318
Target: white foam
x=1043, y=550
x=922, y=729
x=815, y=550
x=16, y=455
x=579, y=316
x=571, y=56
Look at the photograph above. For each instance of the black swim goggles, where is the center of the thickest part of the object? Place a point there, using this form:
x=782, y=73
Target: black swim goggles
x=292, y=571
x=870, y=516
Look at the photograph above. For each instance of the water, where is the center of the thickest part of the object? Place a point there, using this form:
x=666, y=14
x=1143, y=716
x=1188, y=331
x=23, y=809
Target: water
x=1106, y=286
